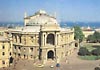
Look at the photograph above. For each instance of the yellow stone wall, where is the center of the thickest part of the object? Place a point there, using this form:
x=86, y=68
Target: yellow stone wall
x=28, y=44
x=6, y=51
x=61, y=45
x=67, y=43
x=28, y=41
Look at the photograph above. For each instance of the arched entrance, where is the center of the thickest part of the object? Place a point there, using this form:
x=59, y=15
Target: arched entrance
x=11, y=60
x=76, y=44
x=50, y=39
x=50, y=54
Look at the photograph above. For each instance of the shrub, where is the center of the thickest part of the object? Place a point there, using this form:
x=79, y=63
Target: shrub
x=96, y=52
x=94, y=38
x=97, y=68
x=83, y=51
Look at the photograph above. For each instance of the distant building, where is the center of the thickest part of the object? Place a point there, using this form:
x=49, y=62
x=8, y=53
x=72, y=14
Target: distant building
x=98, y=30
x=41, y=38
x=5, y=51
x=2, y=30
x=87, y=31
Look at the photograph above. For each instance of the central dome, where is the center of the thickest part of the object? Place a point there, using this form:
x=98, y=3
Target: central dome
x=40, y=18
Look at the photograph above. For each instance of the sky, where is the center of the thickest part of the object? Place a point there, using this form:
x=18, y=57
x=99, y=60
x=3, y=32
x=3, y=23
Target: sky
x=66, y=10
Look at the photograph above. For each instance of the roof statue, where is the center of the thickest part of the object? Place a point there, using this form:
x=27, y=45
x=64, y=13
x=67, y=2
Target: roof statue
x=25, y=14
x=55, y=14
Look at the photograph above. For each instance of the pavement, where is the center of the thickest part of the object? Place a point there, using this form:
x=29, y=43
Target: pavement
x=74, y=63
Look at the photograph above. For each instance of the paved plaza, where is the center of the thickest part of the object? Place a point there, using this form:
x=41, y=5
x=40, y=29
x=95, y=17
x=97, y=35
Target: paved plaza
x=73, y=64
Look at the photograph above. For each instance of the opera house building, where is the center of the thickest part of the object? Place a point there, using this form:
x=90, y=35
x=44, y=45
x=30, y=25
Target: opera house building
x=41, y=38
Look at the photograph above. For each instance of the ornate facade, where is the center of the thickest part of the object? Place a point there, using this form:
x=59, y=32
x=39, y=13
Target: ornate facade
x=41, y=38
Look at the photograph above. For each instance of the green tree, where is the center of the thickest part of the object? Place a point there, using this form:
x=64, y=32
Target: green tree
x=97, y=36
x=96, y=52
x=91, y=39
x=78, y=34
x=83, y=51
x=94, y=38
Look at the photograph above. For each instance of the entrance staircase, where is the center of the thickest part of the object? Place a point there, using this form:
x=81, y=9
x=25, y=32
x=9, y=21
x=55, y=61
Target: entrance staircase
x=50, y=62
x=38, y=62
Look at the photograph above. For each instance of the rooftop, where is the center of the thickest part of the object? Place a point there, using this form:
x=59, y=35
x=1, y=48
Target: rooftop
x=31, y=29
x=3, y=38
x=40, y=18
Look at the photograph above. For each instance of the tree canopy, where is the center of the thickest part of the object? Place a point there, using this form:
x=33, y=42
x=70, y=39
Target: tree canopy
x=94, y=38
x=83, y=51
x=78, y=34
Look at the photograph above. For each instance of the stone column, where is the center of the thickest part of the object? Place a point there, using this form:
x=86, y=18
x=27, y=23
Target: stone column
x=55, y=38
x=17, y=39
x=42, y=39
x=14, y=39
x=35, y=39
x=44, y=56
x=58, y=39
x=68, y=38
x=65, y=38
x=45, y=38
x=58, y=54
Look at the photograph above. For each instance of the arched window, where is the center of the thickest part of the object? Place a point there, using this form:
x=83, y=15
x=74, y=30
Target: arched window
x=3, y=62
x=3, y=53
x=3, y=47
x=50, y=39
x=31, y=49
x=50, y=54
x=10, y=53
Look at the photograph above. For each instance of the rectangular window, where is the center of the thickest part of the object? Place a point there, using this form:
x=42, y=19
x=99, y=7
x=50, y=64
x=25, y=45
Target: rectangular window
x=3, y=53
x=32, y=41
x=31, y=49
x=3, y=47
x=31, y=37
x=31, y=56
x=10, y=53
x=19, y=48
x=20, y=39
x=15, y=47
x=3, y=62
x=24, y=49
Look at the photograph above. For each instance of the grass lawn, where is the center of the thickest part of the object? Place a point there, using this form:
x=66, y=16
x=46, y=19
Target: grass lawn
x=89, y=57
x=89, y=46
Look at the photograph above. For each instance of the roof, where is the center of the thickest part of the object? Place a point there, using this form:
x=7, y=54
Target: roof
x=2, y=38
x=31, y=29
x=87, y=29
x=40, y=18
x=67, y=30
x=25, y=29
